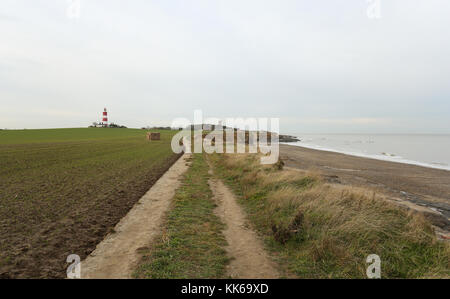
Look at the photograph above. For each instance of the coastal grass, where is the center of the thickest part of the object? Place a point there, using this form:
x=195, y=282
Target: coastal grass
x=192, y=243
x=321, y=230
x=63, y=190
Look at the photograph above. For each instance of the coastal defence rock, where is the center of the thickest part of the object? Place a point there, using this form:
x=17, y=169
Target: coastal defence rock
x=438, y=220
x=288, y=138
x=246, y=136
x=207, y=128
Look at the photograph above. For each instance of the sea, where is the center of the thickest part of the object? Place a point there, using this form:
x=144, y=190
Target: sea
x=426, y=150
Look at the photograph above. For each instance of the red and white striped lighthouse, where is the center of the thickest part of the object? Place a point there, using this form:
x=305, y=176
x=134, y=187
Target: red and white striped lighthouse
x=105, y=118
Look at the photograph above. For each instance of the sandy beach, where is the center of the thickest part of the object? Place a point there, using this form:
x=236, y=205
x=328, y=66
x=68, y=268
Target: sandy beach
x=425, y=187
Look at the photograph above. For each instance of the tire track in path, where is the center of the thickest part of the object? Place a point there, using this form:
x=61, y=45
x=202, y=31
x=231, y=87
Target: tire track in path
x=249, y=259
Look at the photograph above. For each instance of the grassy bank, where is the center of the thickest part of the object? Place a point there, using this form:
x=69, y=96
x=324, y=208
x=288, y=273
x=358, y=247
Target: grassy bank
x=192, y=243
x=62, y=190
x=319, y=230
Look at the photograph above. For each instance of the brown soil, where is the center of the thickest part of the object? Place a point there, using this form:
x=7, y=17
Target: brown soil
x=84, y=225
x=249, y=259
x=413, y=185
x=118, y=254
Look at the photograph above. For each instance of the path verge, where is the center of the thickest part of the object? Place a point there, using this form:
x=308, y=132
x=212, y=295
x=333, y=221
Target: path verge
x=117, y=255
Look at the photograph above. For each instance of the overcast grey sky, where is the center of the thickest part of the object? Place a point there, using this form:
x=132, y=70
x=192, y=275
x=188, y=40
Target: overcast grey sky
x=321, y=66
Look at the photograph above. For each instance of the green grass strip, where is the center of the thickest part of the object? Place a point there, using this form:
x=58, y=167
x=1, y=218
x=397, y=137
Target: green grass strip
x=191, y=246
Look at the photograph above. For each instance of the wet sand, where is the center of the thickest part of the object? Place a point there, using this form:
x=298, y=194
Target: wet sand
x=420, y=185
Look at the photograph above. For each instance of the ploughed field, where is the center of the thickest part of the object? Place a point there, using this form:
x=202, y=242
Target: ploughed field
x=63, y=190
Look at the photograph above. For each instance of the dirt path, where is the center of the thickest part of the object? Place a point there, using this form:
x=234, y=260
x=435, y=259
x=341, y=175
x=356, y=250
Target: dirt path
x=117, y=255
x=249, y=257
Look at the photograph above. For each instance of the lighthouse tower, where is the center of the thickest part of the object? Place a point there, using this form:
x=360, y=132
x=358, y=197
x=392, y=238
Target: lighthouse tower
x=105, y=118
